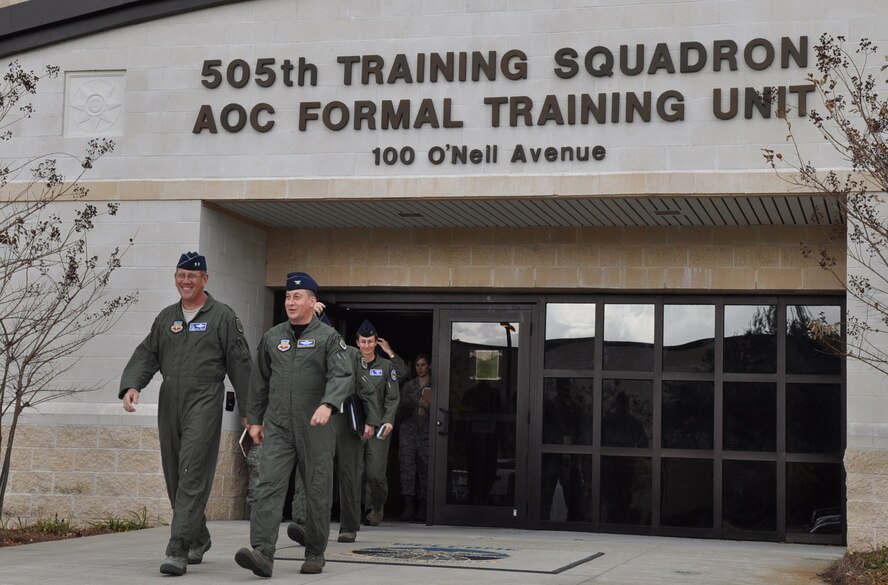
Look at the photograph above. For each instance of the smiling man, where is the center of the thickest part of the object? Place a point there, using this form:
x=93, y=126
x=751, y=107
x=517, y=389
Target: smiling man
x=193, y=343
x=300, y=379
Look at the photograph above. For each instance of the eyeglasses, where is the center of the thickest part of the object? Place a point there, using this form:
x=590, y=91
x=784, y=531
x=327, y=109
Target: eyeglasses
x=181, y=276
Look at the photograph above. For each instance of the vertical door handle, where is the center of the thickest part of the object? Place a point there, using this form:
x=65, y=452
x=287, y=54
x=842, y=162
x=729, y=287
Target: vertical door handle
x=443, y=422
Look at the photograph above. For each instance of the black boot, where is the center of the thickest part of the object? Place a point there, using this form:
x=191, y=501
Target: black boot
x=408, y=510
x=420, y=510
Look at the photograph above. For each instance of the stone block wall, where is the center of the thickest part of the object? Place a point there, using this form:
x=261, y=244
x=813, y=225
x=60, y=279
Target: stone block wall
x=91, y=473
x=749, y=258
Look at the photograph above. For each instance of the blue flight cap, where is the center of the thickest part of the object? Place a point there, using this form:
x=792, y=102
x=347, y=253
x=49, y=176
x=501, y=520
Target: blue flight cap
x=367, y=329
x=192, y=261
x=301, y=280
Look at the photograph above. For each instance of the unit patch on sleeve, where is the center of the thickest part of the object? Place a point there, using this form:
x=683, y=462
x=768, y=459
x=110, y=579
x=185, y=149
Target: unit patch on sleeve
x=342, y=343
x=239, y=325
x=394, y=376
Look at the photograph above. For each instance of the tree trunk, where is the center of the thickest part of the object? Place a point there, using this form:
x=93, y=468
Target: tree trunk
x=7, y=455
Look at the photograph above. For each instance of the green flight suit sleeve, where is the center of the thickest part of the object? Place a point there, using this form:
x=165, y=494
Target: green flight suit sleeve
x=401, y=367
x=392, y=396
x=257, y=401
x=340, y=373
x=237, y=361
x=143, y=364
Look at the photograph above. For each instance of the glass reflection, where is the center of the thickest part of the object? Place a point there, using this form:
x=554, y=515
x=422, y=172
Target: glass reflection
x=629, y=337
x=813, y=339
x=570, y=336
x=627, y=408
x=625, y=490
x=749, y=495
x=566, y=494
x=813, y=424
x=750, y=416
x=814, y=498
x=687, y=415
x=567, y=411
x=686, y=493
x=482, y=397
x=751, y=338
x=688, y=338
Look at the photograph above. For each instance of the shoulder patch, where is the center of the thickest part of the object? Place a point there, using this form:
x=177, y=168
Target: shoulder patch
x=394, y=375
x=342, y=343
x=239, y=325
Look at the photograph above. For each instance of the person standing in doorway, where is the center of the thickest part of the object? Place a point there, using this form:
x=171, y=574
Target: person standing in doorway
x=300, y=379
x=413, y=440
x=194, y=343
x=383, y=378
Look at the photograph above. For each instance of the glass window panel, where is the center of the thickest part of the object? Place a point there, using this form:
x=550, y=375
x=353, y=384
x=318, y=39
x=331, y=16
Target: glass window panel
x=688, y=338
x=749, y=495
x=481, y=443
x=627, y=408
x=814, y=498
x=686, y=493
x=750, y=416
x=629, y=337
x=567, y=411
x=814, y=418
x=566, y=494
x=813, y=339
x=625, y=490
x=570, y=336
x=687, y=415
x=751, y=338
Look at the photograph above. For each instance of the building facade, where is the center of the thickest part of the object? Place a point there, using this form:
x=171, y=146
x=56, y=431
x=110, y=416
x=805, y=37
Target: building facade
x=566, y=206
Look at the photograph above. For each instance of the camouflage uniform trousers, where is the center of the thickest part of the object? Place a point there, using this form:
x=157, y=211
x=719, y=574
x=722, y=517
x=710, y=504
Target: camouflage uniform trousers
x=253, y=457
x=413, y=455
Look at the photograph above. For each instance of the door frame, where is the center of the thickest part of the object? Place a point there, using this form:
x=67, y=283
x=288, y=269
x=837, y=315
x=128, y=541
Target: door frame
x=444, y=513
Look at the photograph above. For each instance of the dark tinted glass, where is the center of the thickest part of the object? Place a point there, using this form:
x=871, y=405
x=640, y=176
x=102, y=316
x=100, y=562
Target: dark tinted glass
x=570, y=336
x=813, y=418
x=566, y=494
x=688, y=338
x=629, y=337
x=750, y=498
x=627, y=408
x=813, y=339
x=814, y=498
x=750, y=416
x=751, y=338
x=686, y=493
x=626, y=490
x=567, y=411
x=687, y=415
x=481, y=442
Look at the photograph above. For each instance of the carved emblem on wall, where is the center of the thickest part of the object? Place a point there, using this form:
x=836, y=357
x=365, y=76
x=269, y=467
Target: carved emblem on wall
x=95, y=103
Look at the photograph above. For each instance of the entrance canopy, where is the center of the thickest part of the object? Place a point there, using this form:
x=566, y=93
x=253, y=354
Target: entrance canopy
x=802, y=209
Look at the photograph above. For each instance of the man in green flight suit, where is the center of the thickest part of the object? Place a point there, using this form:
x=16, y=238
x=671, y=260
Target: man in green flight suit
x=300, y=379
x=193, y=343
x=349, y=449
x=383, y=378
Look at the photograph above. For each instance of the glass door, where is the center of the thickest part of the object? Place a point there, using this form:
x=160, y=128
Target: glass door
x=480, y=458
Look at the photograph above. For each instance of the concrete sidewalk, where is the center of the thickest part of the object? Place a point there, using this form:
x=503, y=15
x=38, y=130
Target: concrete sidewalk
x=509, y=556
